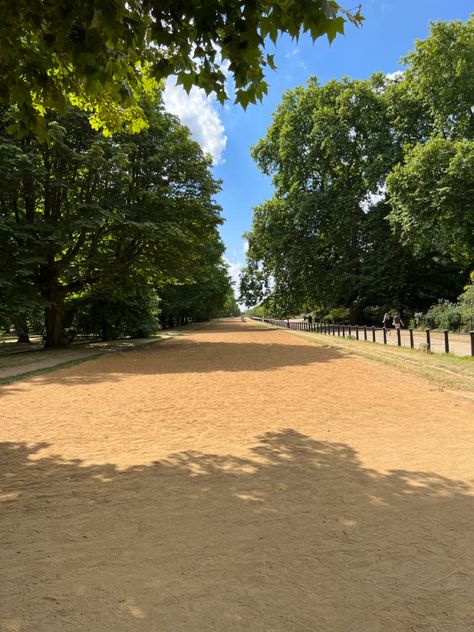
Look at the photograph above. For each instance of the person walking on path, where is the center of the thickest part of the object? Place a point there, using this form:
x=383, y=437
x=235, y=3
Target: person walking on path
x=397, y=321
x=387, y=322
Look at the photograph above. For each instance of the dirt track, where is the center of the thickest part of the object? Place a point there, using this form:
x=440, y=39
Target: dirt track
x=236, y=478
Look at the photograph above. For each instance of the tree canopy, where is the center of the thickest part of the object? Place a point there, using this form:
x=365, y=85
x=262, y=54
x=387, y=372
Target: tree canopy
x=103, y=56
x=109, y=219
x=374, y=193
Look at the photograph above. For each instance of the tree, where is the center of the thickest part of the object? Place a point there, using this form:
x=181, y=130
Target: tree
x=440, y=78
x=202, y=297
x=101, y=56
x=466, y=303
x=432, y=199
x=329, y=149
x=84, y=211
x=431, y=189
x=350, y=155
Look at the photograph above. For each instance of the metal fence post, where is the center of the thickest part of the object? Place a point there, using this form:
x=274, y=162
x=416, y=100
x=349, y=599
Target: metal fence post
x=412, y=342
x=365, y=332
x=471, y=333
x=349, y=330
x=343, y=331
x=357, y=332
x=399, y=337
x=373, y=333
x=384, y=336
x=428, y=339
x=446, y=340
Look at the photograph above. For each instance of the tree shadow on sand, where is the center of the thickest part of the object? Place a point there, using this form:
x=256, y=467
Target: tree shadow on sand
x=299, y=536
x=186, y=356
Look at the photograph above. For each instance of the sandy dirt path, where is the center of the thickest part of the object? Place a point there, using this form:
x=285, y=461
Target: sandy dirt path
x=235, y=478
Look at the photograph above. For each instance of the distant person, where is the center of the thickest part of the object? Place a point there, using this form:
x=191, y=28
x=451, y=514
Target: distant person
x=387, y=322
x=397, y=321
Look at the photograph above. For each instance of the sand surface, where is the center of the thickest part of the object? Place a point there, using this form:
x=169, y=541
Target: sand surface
x=237, y=478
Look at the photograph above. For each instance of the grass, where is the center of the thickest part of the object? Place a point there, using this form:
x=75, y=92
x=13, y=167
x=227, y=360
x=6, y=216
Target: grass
x=61, y=357
x=49, y=369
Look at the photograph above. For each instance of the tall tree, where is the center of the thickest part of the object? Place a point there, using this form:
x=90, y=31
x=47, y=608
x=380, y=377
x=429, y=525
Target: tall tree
x=432, y=188
x=83, y=210
x=328, y=149
x=324, y=239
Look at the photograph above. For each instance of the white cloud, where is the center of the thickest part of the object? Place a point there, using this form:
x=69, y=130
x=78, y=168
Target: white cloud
x=197, y=111
x=234, y=271
x=235, y=268
x=394, y=76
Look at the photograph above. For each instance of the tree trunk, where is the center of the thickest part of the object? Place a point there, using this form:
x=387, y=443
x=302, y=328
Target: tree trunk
x=355, y=315
x=54, y=296
x=105, y=329
x=21, y=329
x=54, y=327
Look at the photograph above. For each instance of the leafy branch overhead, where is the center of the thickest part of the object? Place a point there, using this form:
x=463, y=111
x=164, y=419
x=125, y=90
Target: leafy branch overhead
x=103, y=56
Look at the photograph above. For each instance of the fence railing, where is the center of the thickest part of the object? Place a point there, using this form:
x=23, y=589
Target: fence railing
x=375, y=334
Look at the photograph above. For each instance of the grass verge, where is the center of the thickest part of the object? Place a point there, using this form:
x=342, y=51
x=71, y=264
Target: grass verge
x=29, y=360
x=48, y=369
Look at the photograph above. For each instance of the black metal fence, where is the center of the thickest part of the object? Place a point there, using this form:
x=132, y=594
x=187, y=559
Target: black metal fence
x=358, y=332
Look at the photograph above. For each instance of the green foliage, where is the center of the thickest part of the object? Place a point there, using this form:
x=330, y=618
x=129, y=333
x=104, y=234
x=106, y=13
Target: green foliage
x=374, y=188
x=103, y=57
x=443, y=315
x=230, y=307
x=337, y=315
x=109, y=317
x=207, y=295
x=259, y=311
x=328, y=149
x=440, y=77
x=466, y=304
x=432, y=198
x=432, y=188
x=84, y=211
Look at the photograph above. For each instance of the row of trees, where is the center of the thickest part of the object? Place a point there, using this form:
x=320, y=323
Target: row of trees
x=374, y=188
x=107, y=232
x=106, y=235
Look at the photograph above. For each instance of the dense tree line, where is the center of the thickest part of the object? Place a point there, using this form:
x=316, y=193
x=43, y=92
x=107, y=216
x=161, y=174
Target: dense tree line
x=374, y=188
x=104, y=234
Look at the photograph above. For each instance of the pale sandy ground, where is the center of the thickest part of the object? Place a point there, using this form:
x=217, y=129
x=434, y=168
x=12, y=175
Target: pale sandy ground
x=237, y=478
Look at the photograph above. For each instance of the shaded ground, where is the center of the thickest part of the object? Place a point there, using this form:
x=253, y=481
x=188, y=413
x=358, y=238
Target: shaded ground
x=17, y=360
x=237, y=478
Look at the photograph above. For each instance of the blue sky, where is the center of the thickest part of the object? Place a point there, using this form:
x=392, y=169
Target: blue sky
x=388, y=33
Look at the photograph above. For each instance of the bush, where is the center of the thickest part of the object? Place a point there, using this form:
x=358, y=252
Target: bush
x=443, y=315
x=111, y=318
x=337, y=315
x=466, y=304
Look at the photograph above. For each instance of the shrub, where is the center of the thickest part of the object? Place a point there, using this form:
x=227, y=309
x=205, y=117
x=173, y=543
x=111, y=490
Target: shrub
x=443, y=315
x=337, y=315
x=466, y=304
